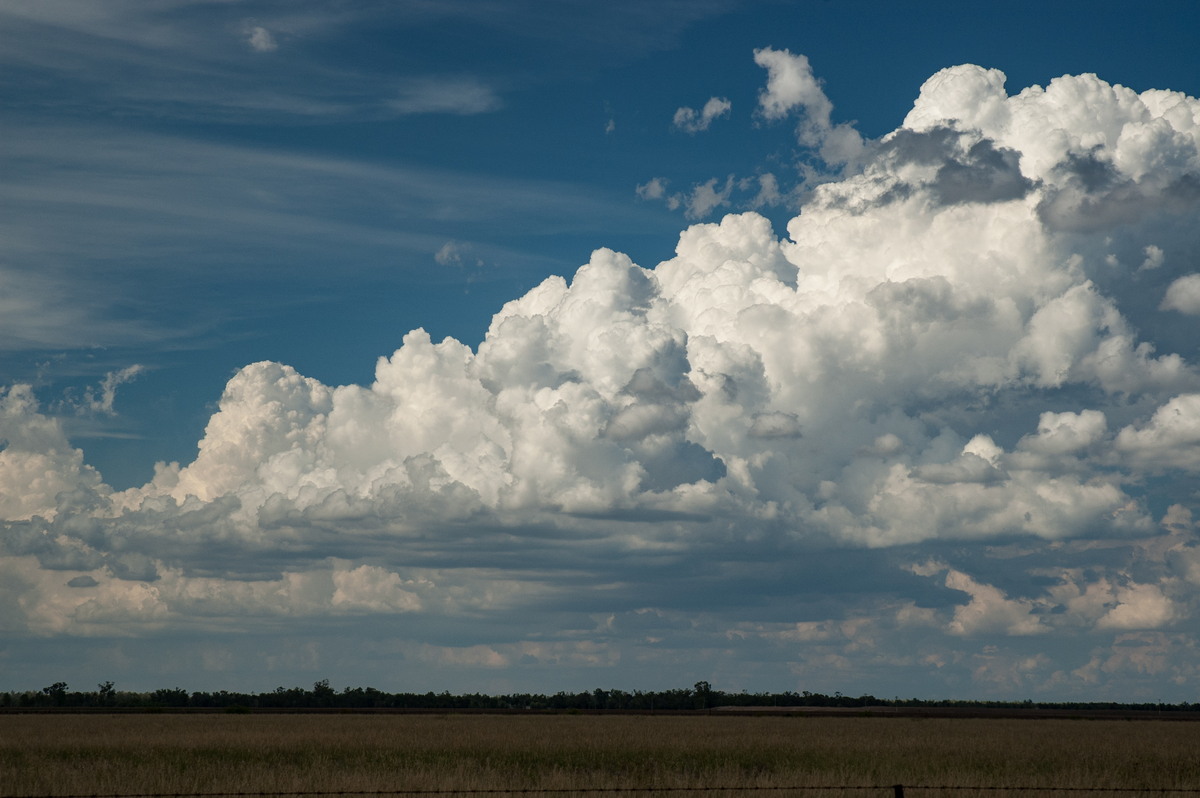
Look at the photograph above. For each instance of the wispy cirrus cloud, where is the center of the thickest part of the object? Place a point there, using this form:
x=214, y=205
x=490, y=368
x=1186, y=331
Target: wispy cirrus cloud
x=149, y=197
x=444, y=96
x=197, y=60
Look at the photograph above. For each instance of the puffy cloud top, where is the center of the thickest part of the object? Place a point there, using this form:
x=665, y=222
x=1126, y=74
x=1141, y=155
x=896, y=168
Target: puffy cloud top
x=751, y=377
x=946, y=346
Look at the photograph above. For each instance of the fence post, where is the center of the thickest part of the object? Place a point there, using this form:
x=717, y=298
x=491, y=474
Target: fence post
x=898, y=790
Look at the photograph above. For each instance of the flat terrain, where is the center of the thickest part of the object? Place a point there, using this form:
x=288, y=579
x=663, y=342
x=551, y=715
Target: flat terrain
x=48, y=755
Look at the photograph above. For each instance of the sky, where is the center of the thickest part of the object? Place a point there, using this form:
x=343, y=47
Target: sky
x=514, y=346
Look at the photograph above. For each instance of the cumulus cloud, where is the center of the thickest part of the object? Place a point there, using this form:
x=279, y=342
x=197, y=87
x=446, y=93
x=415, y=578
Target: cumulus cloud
x=101, y=400
x=768, y=194
x=39, y=469
x=1138, y=607
x=691, y=121
x=942, y=349
x=707, y=197
x=989, y=610
x=791, y=85
x=1184, y=295
x=652, y=189
x=1169, y=439
x=1154, y=257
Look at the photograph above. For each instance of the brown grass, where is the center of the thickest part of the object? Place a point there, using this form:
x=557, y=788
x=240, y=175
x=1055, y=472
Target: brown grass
x=155, y=754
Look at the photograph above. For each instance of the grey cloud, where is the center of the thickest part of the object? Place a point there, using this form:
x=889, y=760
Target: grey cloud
x=927, y=147
x=1079, y=210
x=134, y=567
x=672, y=386
x=677, y=463
x=985, y=173
x=648, y=516
x=1093, y=173
x=775, y=425
x=638, y=421
x=60, y=553
x=969, y=166
x=1094, y=195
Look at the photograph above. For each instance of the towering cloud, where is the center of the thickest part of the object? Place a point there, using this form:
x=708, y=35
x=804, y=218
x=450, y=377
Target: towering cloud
x=958, y=341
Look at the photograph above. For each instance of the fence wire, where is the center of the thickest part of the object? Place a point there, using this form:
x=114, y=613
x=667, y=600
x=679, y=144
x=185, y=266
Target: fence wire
x=897, y=790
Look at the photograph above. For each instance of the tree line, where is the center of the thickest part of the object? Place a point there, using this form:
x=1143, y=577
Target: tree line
x=322, y=696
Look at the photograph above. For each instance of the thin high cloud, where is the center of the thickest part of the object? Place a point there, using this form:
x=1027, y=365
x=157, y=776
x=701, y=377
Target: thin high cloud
x=149, y=196
x=256, y=60
x=462, y=96
x=920, y=437
x=193, y=60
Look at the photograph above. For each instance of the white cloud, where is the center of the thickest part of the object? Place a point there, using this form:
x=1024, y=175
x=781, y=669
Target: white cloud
x=1169, y=439
x=929, y=277
x=939, y=284
x=369, y=588
x=39, y=469
x=102, y=401
x=942, y=349
x=261, y=40
x=690, y=121
x=1066, y=433
x=654, y=188
x=1139, y=607
x=768, y=195
x=791, y=85
x=707, y=197
x=1154, y=258
x=1183, y=295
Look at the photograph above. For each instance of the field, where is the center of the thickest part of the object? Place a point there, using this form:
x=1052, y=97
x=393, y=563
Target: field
x=48, y=755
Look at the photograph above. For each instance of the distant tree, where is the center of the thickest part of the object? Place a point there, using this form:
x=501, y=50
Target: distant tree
x=57, y=693
x=106, y=694
x=704, y=695
x=323, y=694
x=163, y=697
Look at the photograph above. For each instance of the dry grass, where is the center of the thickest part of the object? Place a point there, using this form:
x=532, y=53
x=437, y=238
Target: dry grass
x=155, y=754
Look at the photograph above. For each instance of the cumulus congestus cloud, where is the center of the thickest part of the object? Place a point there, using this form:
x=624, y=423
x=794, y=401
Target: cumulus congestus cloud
x=944, y=350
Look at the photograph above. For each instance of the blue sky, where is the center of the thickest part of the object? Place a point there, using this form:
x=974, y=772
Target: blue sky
x=803, y=472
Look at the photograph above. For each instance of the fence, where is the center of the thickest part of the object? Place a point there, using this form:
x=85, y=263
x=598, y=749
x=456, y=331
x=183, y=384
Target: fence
x=897, y=791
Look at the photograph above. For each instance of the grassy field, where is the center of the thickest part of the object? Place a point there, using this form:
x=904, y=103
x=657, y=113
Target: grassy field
x=155, y=754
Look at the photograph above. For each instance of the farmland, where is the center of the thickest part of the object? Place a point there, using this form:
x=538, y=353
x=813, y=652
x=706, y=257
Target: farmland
x=165, y=753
